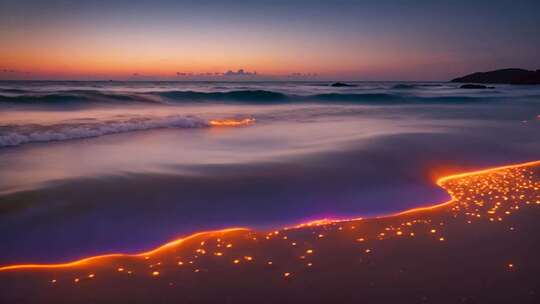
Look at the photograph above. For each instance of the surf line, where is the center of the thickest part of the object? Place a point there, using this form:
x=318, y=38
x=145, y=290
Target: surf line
x=179, y=241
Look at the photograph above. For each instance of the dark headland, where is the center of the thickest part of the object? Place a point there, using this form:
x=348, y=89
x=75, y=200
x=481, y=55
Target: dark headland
x=503, y=76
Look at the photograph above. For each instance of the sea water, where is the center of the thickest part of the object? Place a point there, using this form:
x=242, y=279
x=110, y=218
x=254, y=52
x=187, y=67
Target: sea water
x=97, y=167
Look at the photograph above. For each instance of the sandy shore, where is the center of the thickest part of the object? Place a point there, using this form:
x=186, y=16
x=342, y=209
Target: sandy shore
x=480, y=247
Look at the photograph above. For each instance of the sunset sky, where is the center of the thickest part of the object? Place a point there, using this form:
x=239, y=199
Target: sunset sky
x=351, y=40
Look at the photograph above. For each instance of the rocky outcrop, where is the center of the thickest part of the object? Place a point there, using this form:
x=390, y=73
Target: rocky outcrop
x=341, y=84
x=504, y=76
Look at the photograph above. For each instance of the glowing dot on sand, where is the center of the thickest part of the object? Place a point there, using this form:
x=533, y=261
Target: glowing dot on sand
x=309, y=251
x=433, y=230
x=91, y=276
x=180, y=263
x=236, y=261
x=120, y=269
x=76, y=280
x=155, y=273
x=286, y=274
x=53, y=281
x=229, y=245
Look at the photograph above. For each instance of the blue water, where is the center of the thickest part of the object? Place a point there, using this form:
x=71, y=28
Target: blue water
x=95, y=167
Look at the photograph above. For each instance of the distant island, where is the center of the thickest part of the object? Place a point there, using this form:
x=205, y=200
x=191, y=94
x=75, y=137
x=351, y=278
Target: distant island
x=341, y=84
x=503, y=76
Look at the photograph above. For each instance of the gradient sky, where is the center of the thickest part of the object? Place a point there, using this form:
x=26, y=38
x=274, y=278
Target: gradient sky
x=350, y=40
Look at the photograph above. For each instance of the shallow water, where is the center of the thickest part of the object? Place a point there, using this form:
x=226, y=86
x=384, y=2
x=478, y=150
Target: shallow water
x=94, y=167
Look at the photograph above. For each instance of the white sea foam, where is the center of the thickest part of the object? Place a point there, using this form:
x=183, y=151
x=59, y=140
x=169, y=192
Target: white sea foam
x=14, y=135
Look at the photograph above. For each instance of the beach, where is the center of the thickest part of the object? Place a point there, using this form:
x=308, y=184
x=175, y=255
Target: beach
x=269, y=152
x=482, y=238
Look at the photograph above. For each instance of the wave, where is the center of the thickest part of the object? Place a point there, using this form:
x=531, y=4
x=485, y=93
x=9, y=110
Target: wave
x=49, y=99
x=408, y=86
x=13, y=91
x=241, y=96
x=72, y=97
x=14, y=135
x=404, y=86
x=89, y=97
x=354, y=97
x=261, y=96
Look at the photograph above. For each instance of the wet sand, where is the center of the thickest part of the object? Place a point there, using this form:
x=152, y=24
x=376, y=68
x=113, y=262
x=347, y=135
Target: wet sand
x=479, y=247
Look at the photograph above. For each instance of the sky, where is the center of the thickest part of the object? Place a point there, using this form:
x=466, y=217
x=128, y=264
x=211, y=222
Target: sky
x=342, y=40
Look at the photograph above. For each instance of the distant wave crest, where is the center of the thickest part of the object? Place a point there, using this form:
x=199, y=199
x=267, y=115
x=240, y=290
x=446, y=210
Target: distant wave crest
x=261, y=96
x=14, y=135
x=243, y=95
x=69, y=97
x=89, y=97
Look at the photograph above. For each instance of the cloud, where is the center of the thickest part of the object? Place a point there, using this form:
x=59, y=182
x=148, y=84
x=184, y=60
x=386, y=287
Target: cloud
x=240, y=72
x=13, y=72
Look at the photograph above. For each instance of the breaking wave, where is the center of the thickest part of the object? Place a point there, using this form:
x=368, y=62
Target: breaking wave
x=14, y=135
x=240, y=96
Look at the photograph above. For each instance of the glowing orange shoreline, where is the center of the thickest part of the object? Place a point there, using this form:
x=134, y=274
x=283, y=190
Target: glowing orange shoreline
x=439, y=182
x=111, y=255
x=443, y=179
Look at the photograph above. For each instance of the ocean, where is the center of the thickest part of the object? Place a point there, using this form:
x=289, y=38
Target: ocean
x=98, y=167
